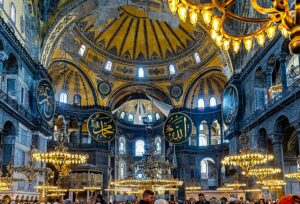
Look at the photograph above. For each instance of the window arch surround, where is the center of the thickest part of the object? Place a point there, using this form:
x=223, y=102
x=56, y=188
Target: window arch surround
x=139, y=148
x=122, y=143
x=13, y=12
x=204, y=167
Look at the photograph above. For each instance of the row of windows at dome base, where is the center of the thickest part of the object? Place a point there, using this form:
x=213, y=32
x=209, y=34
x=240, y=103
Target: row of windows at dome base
x=201, y=102
x=139, y=146
x=12, y=12
x=108, y=65
x=64, y=98
x=206, y=169
x=130, y=117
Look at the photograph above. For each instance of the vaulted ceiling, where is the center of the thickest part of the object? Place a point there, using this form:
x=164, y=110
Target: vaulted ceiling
x=130, y=39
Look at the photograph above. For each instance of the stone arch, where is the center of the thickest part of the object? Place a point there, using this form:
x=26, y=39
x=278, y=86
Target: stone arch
x=11, y=65
x=259, y=88
x=262, y=139
x=8, y=136
x=215, y=133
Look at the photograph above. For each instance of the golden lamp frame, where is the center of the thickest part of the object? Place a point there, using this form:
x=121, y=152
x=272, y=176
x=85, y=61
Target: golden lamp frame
x=214, y=14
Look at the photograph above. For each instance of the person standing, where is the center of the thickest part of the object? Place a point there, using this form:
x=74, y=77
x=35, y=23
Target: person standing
x=100, y=200
x=148, y=197
x=201, y=199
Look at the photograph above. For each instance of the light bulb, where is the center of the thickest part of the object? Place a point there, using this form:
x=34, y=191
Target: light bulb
x=193, y=14
x=216, y=21
x=283, y=31
x=213, y=34
x=206, y=15
x=236, y=44
x=173, y=6
x=226, y=44
x=248, y=43
x=219, y=40
x=261, y=38
x=182, y=12
x=271, y=31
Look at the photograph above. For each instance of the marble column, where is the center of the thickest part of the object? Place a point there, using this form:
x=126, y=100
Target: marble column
x=3, y=57
x=209, y=134
x=80, y=131
x=269, y=80
x=278, y=152
x=283, y=57
x=221, y=132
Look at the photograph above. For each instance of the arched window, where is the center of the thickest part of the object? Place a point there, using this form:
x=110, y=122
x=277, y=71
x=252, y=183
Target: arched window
x=172, y=69
x=204, y=169
x=130, y=117
x=77, y=100
x=122, y=170
x=63, y=97
x=158, y=145
x=141, y=73
x=201, y=103
x=212, y=102
x=122, y=145
x=13, y=12
x=122, y=115
x=201, y=128
x=82, y=50
x=108, y=66
x=139, y=148
x=157, y=116
x=149, y=118
x=202, y=140
x=197, y=57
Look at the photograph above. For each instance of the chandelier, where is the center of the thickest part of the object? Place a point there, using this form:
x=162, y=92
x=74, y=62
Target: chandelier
x=192, y=188
x=30, y=171
x=295, y=175
x=5, y=181
x=246, y=159
x=225, y=189
x=236, y=185
x=279, y=16
x=60, y=158
x=273, y=184
x=261, y=173
x=253, y=190
x=156, y=173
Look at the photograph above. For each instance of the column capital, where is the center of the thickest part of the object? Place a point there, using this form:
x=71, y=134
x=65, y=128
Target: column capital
x=3, y=56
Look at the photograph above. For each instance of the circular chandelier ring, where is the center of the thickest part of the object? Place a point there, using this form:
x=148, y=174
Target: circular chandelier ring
x=237, y=17
x=198, y=6
x=262, y=10
x=244, y=36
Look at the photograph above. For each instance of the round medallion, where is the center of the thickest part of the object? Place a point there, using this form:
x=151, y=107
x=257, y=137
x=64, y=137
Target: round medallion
x=104, y=88
x=178, y=128
x=230, y=104
x=45, y=99
x=102, y=127
x=176, y=91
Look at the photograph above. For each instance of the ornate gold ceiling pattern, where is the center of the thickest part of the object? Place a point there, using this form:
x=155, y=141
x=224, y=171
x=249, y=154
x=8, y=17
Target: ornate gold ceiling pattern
x=210, y=85
x=130, y=41
x=134, y=38
x=67, y=78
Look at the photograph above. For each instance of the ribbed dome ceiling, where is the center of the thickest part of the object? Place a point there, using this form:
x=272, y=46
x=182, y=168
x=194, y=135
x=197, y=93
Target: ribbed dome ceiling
x=134, y=36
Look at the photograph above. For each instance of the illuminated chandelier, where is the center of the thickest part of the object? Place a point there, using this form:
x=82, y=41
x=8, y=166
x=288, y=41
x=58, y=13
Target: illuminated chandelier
x=225, y=189
x=262, y=172
x=246, y=159
x=272, y=184
x=30, y=171
x=236, y=185
x=60, y=158
x=295, y=175
x=214, y=14
x=5, y=181
x=149, y=168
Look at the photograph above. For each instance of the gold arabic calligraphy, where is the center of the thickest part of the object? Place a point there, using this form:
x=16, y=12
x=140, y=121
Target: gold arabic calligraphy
x=45, y=98
x=178, y=128
x=102, y=126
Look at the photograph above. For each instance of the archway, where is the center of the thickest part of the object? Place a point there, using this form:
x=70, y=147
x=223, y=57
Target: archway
x=259, y=89
x=8, y=141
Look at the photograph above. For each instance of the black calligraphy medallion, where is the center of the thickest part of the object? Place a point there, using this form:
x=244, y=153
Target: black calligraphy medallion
x=178, y=128
x=45, y=99
x=102, y=127
x=230, y=104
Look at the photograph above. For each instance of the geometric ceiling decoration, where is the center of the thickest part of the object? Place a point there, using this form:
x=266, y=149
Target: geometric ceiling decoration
x=135, y=37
